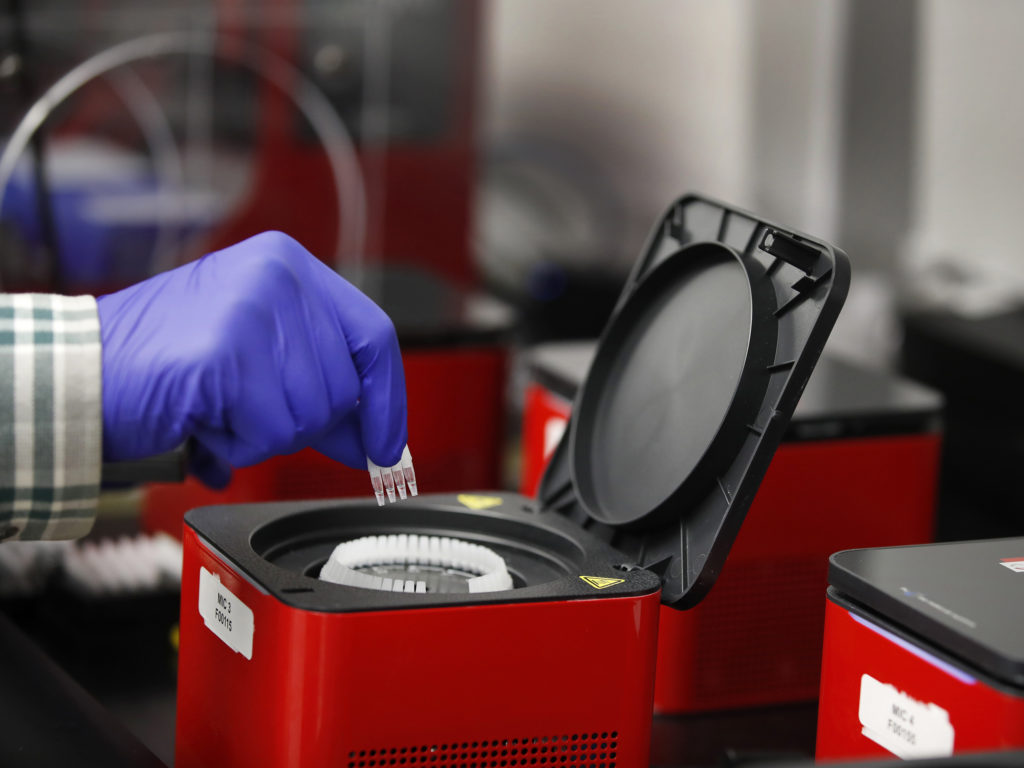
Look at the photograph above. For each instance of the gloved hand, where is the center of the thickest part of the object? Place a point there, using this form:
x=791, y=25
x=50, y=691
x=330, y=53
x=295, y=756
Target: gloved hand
x=255, y=350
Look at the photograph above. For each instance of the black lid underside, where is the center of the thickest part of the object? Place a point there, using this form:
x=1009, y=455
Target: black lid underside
x=693, y=383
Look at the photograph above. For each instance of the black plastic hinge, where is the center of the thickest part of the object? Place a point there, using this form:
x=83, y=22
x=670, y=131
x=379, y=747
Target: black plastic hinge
x=801, y=255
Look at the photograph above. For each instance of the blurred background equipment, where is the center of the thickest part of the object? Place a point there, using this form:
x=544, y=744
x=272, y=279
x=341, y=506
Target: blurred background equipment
x=977, y=362
x=549, y=238
x=99, y=583
x=233, y=111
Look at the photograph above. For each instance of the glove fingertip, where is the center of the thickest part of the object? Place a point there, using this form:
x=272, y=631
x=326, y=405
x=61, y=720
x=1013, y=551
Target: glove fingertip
x=387, y=452
x=343, y=444
x=383, y=426
x=214, y=472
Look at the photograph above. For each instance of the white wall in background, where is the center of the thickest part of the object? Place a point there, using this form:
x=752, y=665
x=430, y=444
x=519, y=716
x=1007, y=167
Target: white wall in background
x=969, y=180
x=654, y=93
x=797, y=129
x=738, y=99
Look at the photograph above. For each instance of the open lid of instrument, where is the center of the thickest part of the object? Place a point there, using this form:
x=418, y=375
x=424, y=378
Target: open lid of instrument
x=694, y=380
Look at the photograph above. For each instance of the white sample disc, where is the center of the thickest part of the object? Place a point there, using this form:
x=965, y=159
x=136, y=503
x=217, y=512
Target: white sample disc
x=412, y=563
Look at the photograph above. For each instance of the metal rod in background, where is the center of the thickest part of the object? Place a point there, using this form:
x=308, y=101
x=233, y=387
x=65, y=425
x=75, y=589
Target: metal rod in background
x=40, y=179
x=325, y=121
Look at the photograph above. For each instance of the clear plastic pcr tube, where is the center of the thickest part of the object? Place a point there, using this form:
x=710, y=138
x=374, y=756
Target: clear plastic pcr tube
x=389, y=481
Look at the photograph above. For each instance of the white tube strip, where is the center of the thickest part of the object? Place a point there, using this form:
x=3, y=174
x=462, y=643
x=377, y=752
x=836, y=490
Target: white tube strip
x=410, y=549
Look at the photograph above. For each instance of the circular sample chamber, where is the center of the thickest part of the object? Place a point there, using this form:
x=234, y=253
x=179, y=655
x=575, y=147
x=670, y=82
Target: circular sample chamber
x=303, y=543
x=283, y=547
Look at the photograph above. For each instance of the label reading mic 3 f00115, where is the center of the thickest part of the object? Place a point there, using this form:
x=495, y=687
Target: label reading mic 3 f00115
x=224, y=614
x=906, y=727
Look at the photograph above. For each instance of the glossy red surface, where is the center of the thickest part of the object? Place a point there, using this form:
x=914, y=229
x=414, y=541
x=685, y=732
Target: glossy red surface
x=767, y=602
x=755, y=640
x=525, y=684
x=983, y=716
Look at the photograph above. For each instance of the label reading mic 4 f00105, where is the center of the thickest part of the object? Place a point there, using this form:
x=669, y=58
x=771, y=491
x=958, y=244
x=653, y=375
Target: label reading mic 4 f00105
x=906, y=727
x=224, y=614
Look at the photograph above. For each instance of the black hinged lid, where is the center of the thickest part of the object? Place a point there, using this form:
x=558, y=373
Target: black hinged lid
x=693, y=383
x=963, y=597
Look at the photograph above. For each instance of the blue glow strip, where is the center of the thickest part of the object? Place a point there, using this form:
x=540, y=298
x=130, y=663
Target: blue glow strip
x=935, y=661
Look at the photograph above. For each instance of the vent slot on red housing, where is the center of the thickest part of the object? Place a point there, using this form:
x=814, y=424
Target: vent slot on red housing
x=598, y=749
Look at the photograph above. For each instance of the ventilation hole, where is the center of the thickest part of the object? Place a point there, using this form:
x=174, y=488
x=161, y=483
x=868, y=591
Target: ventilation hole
x=577, y=750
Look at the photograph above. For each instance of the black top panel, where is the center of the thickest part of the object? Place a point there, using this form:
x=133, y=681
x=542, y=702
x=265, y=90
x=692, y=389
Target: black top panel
x=841, y=400
x=966, y=598
x=692, y=387
x=282, y=546
x=429, y=310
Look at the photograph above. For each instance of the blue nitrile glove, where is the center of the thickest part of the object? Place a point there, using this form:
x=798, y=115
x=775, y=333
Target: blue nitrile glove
x=255, y=350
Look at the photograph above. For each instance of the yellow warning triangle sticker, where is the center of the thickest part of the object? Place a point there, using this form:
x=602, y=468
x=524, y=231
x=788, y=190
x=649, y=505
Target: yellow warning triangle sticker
x=601, y=582
x=478, y=502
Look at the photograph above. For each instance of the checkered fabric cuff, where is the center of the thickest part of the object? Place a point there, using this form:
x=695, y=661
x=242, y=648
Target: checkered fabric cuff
x=51, y=427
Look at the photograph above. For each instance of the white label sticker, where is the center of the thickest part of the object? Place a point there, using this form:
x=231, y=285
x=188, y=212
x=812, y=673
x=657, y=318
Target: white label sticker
x=224, y=614
x=554, y=428
x=906, y=727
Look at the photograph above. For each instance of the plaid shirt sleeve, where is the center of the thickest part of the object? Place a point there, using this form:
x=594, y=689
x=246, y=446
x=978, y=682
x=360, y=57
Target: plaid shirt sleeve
x=50, y=421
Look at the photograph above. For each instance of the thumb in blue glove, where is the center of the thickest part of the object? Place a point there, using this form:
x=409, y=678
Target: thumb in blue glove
x=255, y=350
